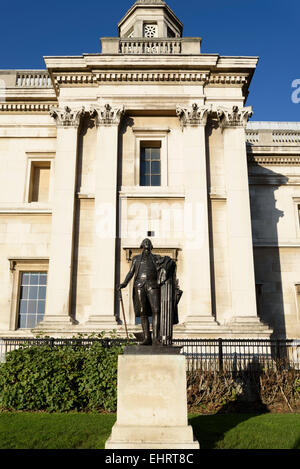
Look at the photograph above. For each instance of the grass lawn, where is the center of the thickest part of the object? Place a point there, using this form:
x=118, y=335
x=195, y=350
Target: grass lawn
x=247, y=431
x=25, y=430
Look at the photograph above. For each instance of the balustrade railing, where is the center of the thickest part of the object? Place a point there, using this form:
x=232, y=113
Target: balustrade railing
x=33, y=80
x=252, y=136
x=150, y=46
x=286, y=136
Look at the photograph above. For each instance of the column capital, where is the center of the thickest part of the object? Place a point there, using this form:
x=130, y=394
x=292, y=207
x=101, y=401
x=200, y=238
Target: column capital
x=107, y=115
x=234, y=117
x=66, y=117
x=193, y=115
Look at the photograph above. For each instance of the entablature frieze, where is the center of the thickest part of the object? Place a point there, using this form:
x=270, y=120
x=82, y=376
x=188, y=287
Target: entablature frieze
x=205, y=78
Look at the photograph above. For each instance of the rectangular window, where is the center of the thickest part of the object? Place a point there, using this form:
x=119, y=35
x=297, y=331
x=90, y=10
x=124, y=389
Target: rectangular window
x=32, y=299
x=39, y=181
x=150, y=165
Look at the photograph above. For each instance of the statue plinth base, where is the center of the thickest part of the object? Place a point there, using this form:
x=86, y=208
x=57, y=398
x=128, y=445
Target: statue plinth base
x=152, y=401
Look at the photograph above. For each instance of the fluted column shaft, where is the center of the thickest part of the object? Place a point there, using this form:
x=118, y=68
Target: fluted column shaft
x=103, y=286
x=196, y=250
x=62, y=230
x=240, y=246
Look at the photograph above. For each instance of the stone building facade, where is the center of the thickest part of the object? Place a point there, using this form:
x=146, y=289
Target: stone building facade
x=149, y=138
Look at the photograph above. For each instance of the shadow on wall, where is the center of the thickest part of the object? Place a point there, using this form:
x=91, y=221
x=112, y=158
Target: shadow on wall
x=87, y=124
x=265, y=216
x=125, y=123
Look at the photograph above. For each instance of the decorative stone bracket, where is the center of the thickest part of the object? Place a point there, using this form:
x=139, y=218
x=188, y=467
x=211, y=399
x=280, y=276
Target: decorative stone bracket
x=107, y=115
x=66, y=117
x=196, y=115
x=192, y=116
x=234, y=117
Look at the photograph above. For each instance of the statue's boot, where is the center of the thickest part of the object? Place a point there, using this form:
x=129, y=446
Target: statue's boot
x=146, y=331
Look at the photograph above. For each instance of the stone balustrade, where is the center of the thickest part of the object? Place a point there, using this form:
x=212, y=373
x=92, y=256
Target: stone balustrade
x=33, y=79
x=252, y=136
x=286, y=137
x=150, y=46
x=272, y=135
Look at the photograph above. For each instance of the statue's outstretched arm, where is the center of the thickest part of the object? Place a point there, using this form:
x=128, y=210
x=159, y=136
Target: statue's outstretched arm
x=129, y=275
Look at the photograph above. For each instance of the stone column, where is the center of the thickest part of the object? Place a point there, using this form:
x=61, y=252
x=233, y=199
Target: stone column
x=196, y=251
x=240, y=246
x=57, y=313
x=103, y=287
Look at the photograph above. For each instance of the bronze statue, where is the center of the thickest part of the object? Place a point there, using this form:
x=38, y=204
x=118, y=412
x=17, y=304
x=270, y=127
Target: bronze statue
x=155, y=293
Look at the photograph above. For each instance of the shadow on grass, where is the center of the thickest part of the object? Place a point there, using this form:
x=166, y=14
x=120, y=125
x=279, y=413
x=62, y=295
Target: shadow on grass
x=297, y=444
x=210, y=430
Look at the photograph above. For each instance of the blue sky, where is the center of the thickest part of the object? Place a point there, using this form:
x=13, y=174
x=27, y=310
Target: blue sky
x=268, y=29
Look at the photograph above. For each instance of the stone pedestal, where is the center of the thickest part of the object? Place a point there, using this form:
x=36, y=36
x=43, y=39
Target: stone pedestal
x=152, y=402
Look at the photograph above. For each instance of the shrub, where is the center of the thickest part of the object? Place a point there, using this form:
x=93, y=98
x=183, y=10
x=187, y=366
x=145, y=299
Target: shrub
x=214, y=391
x=61, y=378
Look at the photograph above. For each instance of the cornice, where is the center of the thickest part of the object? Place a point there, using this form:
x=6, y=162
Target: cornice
x=204, y=78
x=99, y=61
x=29, y=93
x=85, y=79
x=206, y=69
x=228, y=79
x=284, y=160
x=272, y=150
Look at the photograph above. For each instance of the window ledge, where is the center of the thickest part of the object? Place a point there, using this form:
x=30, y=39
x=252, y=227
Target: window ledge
x=28, y=208
x=26, y=260
x=151, y=191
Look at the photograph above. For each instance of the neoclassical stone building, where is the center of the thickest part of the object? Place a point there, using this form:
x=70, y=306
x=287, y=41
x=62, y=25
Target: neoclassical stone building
x=149, y=138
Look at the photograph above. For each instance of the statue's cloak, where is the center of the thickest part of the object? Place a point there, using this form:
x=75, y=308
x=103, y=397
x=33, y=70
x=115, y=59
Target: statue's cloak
x=167, y=282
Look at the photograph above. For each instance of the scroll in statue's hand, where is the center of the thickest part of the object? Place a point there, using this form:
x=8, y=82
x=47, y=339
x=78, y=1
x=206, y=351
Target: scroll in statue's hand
x=162, y=277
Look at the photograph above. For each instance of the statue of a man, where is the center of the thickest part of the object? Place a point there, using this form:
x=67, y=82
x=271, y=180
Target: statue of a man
x=150, y=273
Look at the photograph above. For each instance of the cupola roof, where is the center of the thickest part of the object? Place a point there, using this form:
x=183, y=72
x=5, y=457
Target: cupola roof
x=154, y=14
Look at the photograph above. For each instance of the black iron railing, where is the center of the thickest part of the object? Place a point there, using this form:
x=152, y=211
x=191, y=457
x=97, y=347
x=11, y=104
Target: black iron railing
x=203, y=354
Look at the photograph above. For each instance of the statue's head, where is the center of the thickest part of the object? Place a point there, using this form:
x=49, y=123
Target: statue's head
x=146, y=244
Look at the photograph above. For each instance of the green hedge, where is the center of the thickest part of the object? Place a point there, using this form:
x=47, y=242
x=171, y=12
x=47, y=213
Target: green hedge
x=62, y=378
x=81, y=378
